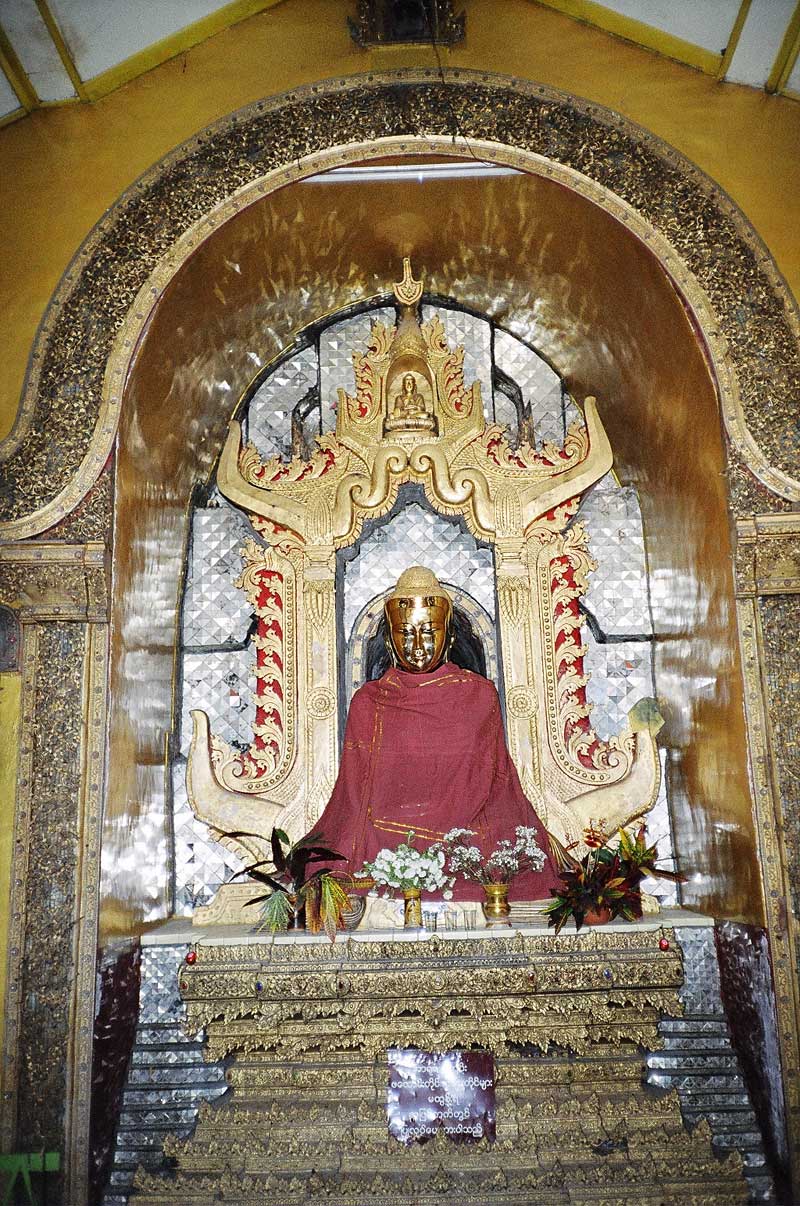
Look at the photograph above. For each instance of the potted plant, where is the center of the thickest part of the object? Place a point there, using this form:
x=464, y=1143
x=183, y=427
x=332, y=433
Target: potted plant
x=411, y=872
x=496, y=872
x=299, y=897
x=605, y=882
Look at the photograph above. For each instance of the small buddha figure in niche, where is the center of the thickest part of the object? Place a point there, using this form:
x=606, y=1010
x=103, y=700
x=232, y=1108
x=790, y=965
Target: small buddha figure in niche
x=408, y=410
x=408, y=401
x=425, y=749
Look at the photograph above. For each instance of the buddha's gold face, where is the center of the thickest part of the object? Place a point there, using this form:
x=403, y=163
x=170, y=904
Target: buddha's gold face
x=418, y=630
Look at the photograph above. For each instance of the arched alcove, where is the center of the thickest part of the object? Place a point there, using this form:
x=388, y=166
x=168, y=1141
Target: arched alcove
x=558, y=269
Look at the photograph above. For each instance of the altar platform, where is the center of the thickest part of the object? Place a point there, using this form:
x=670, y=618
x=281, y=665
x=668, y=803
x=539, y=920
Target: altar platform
x=615, y=1077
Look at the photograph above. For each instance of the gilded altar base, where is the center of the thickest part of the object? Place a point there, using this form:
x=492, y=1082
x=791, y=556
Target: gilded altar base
x=306, y=1025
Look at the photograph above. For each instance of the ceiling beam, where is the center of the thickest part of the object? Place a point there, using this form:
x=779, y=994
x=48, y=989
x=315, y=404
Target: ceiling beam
x=733, y=39
x=16, y=75
x=14, y=115
x=63, y=50
x=787, y=55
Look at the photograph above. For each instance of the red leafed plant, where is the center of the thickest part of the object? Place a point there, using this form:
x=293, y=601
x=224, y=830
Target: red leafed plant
x=604, y=878
x=295, y=887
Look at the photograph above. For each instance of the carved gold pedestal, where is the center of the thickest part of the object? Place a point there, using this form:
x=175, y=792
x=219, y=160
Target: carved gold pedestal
x=307, y=1025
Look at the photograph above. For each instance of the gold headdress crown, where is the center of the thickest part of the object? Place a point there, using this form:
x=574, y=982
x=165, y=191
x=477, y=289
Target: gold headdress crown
x=418, y=580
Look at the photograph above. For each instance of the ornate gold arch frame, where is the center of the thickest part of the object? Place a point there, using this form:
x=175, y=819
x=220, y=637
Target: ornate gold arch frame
x=337, y=122
x=74, y=393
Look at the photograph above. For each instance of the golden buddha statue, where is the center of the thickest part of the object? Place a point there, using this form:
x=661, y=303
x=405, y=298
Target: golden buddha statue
x=425, y=749
x=408, y=401
x=419, y=621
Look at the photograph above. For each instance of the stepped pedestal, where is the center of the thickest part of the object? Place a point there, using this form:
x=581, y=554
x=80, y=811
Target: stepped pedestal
x=572, y=1022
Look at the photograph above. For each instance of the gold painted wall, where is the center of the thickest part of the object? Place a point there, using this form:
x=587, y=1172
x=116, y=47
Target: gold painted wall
x=61, y=168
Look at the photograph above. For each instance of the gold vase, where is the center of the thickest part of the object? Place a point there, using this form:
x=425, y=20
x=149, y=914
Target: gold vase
x=496, y=909
x=412, y=908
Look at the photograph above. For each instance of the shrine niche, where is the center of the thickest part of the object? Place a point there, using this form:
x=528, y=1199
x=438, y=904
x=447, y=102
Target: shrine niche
x=414, y=424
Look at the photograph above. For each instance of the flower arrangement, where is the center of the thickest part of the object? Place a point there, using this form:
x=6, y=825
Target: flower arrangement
x=408, y=869
x=605, y=880
x=295, y=887
x=506, y=860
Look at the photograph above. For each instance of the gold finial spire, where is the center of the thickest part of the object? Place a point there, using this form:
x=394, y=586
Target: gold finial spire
x=407, y=291
x=408, y=338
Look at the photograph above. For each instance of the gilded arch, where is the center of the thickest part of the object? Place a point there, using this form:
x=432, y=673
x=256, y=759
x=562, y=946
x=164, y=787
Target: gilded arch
x=74, y=387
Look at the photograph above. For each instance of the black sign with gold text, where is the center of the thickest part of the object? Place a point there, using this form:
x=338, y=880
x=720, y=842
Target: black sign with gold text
x=452, y=1091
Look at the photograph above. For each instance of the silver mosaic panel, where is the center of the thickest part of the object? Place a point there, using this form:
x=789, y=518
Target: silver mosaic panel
x=215, y=612
x=159, y=999
x=417, y=536
x=505, y=413
x=201, y=864
x=540, y=385
x=167, y=1078
x=699, y=1062
x=222, y=684
x=659, y=830
x=617, y=595
x=701, y=992
x=269, y=417
x=336, y=346
x=621, y=674
x=475, y=336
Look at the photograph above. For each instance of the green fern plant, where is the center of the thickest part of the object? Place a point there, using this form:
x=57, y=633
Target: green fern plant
x=294, y=887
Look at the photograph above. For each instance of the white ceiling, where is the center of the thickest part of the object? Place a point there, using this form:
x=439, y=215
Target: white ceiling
x=705, y=23
x=99, y=35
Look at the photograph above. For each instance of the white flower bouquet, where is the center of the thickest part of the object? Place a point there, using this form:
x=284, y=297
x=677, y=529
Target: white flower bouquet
x=506, y=860
x=406, y=867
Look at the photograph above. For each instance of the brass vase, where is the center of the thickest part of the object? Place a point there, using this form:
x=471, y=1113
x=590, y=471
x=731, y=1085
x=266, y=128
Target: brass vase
x=412, y=908
x=496, y=908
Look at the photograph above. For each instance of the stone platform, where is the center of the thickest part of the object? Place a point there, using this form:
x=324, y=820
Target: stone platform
x=302, y=1027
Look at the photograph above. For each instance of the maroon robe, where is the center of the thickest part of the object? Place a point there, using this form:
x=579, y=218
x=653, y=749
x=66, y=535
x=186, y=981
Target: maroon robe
x=427, y=752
